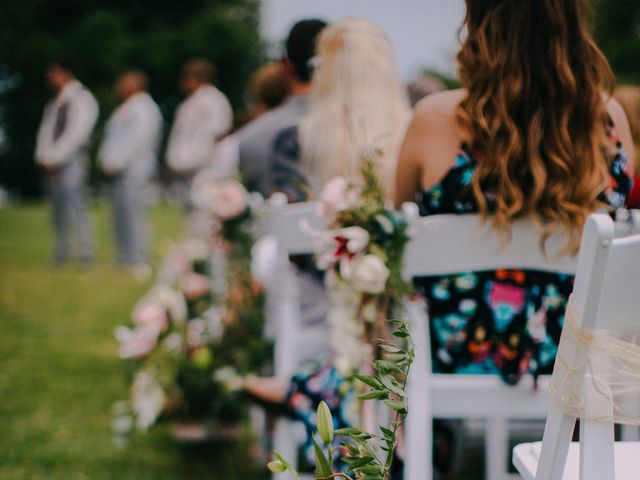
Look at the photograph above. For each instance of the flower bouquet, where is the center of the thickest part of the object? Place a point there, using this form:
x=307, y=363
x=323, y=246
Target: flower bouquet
x=190, y=342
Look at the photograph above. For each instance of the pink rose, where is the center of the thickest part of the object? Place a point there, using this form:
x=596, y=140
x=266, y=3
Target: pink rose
x=229, y=200
x=138, y=342
x=151, y=315
x=336, y=195
x=195, y=285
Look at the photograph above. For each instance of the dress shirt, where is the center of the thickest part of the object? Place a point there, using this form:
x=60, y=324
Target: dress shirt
x=200, y=120
x=132, y=137
x=66, y=126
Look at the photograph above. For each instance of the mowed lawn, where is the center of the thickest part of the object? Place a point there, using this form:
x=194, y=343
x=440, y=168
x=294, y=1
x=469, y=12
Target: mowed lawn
x=59, y=372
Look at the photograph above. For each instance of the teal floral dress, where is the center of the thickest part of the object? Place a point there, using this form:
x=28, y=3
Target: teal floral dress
x=505, y=322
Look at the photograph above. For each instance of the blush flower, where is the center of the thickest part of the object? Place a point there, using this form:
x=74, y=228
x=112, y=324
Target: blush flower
x=336, y=195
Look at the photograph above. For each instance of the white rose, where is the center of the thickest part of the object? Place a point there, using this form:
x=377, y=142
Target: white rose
x=229, y=200
x=368, y=274
x=147, y=399
x=336, y=195
x=357, y=238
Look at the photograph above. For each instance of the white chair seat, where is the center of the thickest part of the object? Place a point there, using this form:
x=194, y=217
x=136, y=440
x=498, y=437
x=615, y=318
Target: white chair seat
x=627, y=460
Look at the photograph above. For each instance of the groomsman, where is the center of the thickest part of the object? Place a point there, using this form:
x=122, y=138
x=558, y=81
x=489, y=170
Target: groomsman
x=62, y=152
x=201, y=120
x=128, y=155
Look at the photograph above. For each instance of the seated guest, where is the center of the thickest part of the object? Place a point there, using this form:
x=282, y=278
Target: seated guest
x=357, y=103
x=525, y=137
x=257, y=138
x=629, y=98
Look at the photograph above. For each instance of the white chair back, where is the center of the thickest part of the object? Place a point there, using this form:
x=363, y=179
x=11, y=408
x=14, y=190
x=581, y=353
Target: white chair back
x=450, y=244
x=605, y=296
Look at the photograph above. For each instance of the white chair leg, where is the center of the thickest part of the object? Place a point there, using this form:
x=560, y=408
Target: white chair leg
x=496, y=448
x=284, y=442
x=555, y=445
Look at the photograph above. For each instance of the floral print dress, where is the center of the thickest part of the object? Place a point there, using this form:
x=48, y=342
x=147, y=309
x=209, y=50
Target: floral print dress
x=506, y=322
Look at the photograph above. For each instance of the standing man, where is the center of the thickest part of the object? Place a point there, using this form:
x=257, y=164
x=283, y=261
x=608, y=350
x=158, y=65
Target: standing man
x=257, y=139
x=201, y=120
x=128, y=155
x=62, y=152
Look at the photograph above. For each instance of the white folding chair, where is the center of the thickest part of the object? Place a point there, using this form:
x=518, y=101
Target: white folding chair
x=450, y=244
x=605, y=296
x=285, y=226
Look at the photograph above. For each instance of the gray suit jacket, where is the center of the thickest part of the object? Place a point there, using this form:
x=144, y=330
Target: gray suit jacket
x=257, y=141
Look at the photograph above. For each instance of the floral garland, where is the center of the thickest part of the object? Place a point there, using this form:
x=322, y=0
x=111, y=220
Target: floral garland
x=362, y=255
x=191, y=340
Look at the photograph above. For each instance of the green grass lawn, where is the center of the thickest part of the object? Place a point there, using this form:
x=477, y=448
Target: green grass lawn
x=59, y=372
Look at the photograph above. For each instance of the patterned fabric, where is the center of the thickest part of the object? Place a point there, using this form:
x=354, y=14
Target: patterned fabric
x=287, y=175
x=506, y=322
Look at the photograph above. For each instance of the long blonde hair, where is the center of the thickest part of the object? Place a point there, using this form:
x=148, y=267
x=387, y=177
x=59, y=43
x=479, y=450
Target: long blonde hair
x=358, y=103
x=534, y=111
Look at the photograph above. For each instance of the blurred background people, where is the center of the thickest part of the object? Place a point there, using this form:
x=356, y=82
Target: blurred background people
x=424, y=86
x=202, y=119
x=62, y=152
x=629, y=98
x=257, y=138
x=268, y=88
x=128, y=155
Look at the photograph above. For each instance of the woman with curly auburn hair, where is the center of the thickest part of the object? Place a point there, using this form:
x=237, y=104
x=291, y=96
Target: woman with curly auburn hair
x=533, y=133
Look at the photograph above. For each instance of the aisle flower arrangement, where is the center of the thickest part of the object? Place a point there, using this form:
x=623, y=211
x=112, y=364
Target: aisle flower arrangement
x=361, y=253
x=191, y=341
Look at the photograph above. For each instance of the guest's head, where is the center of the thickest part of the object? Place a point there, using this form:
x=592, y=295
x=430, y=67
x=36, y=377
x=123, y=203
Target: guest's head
x=358, y=103
x=130, y=83
x=196, y=73
x=629, y=98
x=534, y=109
x=300, y=46
x=59, y=73
x=268, y=87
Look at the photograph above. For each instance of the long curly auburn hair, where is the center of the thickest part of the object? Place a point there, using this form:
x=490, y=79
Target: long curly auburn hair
x=535, y=113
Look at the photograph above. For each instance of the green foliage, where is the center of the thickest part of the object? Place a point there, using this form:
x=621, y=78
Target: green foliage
x=104, y=37
x=617, y=30
x=387, y=384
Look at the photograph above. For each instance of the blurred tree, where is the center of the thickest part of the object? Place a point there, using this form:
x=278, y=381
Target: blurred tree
x=617, y=29
x=102, y=38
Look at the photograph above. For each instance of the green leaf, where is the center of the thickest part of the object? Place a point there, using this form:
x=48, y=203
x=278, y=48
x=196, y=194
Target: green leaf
x=396, y=405
x=373, y=395
x=348, y=432
x=323, y=466
x=361, y=462
x=368, y=379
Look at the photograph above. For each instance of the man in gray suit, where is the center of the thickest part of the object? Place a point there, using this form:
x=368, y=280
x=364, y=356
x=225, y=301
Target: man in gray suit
x=129, y=155
x=258, y=137
x=62, y=152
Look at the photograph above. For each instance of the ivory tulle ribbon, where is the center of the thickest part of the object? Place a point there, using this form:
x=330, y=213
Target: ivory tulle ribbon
x=596, y=375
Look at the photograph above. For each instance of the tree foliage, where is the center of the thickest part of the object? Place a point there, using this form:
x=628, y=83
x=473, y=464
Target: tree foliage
x=102, y=38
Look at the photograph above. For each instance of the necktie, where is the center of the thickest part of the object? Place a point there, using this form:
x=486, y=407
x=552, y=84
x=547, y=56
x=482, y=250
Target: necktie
x=61, y=121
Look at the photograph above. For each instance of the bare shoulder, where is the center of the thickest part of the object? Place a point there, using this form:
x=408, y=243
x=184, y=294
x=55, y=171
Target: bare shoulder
x=619, y=118
x=616, y=112
x=439, y=107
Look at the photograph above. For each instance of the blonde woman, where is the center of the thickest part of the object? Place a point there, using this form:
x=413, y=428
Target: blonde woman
x=358, y=103
x=530, y=135
x=629, y=98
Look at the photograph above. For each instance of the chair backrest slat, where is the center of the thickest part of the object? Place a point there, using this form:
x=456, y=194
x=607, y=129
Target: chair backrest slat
x=449, y=244
x=286, y=224
x=620, y=299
